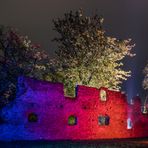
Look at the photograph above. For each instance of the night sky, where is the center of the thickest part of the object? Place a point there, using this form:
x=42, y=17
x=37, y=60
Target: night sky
x=123, y=19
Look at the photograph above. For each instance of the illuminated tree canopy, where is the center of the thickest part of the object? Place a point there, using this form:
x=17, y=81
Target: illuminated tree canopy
x=145, y=86
x=145, y=81
x=86, y=55
x=18, y=56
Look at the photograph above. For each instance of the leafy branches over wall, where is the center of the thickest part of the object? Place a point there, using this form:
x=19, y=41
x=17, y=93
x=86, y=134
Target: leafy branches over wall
x=18, y=56
x=145, y=86
x=86, y=55
x=145, y=81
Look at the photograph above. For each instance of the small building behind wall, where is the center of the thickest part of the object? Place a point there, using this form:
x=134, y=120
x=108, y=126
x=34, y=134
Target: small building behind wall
x=41, y=111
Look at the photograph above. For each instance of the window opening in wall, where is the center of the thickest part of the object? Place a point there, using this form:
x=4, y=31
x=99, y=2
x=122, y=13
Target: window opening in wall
x=72, y=120
x=144, y=109
x=103, y=120
x=103, y=95
x=32, y=117
x=70, y=90
x=129, y=123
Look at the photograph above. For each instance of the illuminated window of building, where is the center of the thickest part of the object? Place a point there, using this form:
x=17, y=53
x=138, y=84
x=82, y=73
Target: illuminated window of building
x=103, y=95
x=144, y=110
x=32, y=117
x=72, y=120
x=129, y=123
x=103, y=120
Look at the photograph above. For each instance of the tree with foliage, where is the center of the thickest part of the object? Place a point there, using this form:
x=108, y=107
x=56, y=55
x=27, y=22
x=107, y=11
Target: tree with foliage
x=145, y=86
x=86, y=55
x=18, y=56
x=145, y=81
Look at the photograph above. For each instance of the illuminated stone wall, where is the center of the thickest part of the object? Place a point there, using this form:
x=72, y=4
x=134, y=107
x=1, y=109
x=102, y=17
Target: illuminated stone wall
x=53, y=109
x=139, y=120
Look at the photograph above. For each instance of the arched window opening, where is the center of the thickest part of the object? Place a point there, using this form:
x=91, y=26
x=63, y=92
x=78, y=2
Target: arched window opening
x=129, y=123
x=103, y=95
x=144, y=110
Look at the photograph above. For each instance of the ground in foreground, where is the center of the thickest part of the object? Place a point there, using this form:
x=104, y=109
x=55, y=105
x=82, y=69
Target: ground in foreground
x=114, y=143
